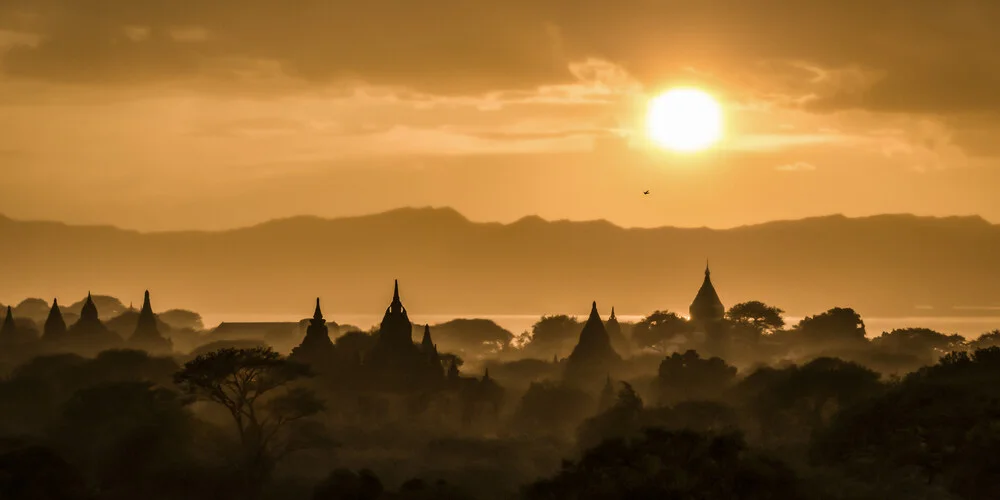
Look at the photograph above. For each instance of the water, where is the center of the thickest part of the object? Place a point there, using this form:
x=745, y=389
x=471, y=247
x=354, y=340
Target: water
x=968, y=326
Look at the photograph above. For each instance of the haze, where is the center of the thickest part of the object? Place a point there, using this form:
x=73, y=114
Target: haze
x=225, y=114
x=499, y=249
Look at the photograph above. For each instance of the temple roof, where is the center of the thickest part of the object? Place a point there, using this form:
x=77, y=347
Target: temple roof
x=594, y=342
x=706, y=305
x=54, y=324
x=88, y=312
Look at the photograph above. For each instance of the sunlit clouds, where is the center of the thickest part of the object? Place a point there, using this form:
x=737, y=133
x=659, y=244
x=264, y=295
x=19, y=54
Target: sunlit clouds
x=234, y=100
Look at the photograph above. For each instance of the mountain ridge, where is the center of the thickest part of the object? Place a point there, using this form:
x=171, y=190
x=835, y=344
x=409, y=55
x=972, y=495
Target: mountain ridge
x=459, y=217
x=886, y=264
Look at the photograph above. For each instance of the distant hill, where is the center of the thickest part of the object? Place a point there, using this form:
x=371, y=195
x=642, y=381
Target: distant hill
x=881, y=265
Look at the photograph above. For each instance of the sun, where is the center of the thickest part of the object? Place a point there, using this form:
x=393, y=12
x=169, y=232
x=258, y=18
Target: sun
x=684, y=119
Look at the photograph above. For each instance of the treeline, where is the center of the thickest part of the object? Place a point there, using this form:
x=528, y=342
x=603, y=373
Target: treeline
x=247, y=423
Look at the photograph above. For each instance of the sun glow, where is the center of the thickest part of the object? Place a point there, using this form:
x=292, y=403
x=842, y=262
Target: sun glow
x=684, y=120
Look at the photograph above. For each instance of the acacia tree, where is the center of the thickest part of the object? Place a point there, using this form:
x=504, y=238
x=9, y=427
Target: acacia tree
x=255, y=386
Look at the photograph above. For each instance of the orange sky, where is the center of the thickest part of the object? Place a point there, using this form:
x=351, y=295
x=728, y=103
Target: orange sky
x=148, y=115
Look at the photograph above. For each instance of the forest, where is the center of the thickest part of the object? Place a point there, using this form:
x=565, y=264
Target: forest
x=735, y=406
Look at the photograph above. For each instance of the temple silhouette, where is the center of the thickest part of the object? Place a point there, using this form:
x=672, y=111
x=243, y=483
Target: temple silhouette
x=147, y=334
x=316, y=348
x=593, y=357
x=89, y=335
x=396, y=362
x=706, y=307
x=55, y=326
x=384, y=361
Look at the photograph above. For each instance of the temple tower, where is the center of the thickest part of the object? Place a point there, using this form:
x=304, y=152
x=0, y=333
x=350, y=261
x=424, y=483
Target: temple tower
x=706, y=307
x=55, y=325
x=89, y=335
x=395, y=362
x=593, y=357
x=8, y=331
x=316, y=348
x=147, y=334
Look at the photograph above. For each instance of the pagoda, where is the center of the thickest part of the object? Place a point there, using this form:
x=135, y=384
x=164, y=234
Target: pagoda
x=316, y=348
x=395, y=362
x=593, y=357
x=428, y=347
x=55, y=326
x=147, y=334
x=89, y=335
x=8, y=332
x=706, y=307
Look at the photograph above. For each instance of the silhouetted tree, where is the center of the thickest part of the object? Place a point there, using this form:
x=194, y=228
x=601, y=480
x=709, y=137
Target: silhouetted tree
x=551, y=408
x=670, y=464
x=660, y=329
x=938, y=423
x=553, y=335
x=39, y=473
x=126, y=434
x=418, y=489
x=689, y=376
x=838, y=326
x=758, y=315
x=926, y=346
x=344, y=484
x=180, y=319
x=622, y=419
x=790, y=403
x=34, y=309
x=255, y=386
x=988, y=339
x=473, y=337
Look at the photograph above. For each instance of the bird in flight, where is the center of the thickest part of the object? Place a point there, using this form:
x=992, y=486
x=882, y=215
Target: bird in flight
x=645, y=192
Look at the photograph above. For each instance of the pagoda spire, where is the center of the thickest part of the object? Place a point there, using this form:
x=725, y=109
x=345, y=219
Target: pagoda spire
x=593, y=312
x=147, y=320
x=396, y=306
x=55, y=326
x=9, y=327
x=147, y=334
x=612, y=313
x=317, y=314
x=426, y=342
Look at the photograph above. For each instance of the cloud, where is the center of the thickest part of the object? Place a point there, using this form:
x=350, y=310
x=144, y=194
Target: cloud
x=799, y=166
x=580, y=60
x=892, y=55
